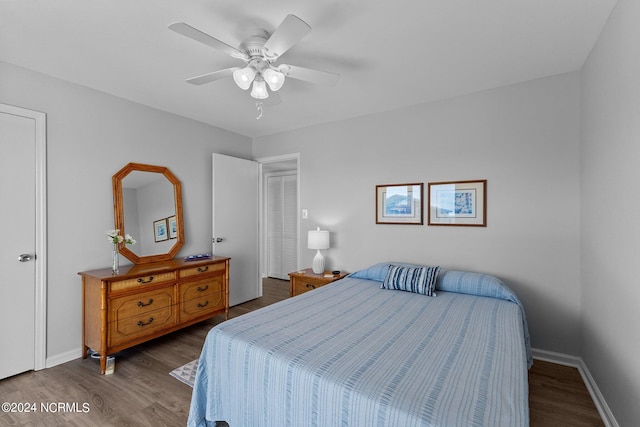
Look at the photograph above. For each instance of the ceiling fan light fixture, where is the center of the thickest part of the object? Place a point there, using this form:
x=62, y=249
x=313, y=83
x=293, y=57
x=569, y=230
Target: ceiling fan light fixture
x=259, y=51
x=259, y=90
x=244, y=76
x=275, y=79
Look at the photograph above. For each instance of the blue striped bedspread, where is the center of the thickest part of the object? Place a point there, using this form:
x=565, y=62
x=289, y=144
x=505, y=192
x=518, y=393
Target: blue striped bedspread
x=352, y=354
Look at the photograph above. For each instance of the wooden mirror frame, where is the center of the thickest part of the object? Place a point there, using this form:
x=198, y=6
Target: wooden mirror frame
x=118, y=211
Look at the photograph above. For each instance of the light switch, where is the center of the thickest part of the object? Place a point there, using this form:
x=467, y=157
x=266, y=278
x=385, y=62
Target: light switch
x=305, y=213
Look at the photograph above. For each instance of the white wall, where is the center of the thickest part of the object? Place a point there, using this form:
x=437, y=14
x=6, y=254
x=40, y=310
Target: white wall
x=91, y=136
x=610, y=212
x=524, y=139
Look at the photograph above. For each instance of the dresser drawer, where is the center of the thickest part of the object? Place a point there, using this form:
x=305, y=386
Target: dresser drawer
x=120, y=285
x=139, y=315
x=202, y=270
x=201, y=297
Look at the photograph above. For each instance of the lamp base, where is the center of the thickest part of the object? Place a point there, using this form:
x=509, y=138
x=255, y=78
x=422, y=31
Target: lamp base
x=318, y=263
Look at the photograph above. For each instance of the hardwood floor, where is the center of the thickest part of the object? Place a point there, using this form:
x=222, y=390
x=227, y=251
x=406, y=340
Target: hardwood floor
x=558, y=397
x=142, y=393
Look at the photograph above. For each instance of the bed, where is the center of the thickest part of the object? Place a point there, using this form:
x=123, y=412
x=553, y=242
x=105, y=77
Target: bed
x=353, y=353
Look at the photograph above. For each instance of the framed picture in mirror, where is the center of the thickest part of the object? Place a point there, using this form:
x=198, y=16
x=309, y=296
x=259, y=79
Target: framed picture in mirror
x=173, y=227
x=160, y=231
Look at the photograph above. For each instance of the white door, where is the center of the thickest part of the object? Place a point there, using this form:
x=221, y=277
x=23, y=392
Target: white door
x=282, y=225
x=235, y=224
x=22, y=289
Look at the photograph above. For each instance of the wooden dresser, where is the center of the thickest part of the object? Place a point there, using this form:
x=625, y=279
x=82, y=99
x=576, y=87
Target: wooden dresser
x=146, y=301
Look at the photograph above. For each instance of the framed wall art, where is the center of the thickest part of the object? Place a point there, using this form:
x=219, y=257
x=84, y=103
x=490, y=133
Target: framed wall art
x=160, y=232
x=173, y=227
x=399, y=204
x=461, y=203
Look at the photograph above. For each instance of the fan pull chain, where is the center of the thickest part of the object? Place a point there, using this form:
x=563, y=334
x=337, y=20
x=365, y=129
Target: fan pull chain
x=260, y=110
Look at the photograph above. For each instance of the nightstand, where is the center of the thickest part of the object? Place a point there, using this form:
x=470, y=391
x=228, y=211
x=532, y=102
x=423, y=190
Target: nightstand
x=306, y=280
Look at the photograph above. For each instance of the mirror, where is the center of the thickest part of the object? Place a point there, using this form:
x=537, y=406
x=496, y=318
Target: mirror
x=148, y=206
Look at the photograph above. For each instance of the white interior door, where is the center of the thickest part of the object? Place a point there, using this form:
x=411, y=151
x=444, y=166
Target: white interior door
x=22, y=290
x=274, y=226
x=235, y=224
x=282, y=226
x=290, y=225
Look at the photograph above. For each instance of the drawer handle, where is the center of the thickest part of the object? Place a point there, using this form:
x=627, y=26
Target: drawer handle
x=202, y=270
x=142, y=281
x=309, y=285
x=141, y=323
x=203, y=305
x=141, y=304
x=199, y=289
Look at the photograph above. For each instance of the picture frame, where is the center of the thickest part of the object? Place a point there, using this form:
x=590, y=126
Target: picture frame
x=400, y=204
x=160, y=232
x=172, y=227
x=458, y=203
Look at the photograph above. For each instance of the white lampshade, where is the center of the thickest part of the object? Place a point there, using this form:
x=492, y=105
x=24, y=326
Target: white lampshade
x=318, y=239
x=243, y=77
x=259, y=90
x=275, y=79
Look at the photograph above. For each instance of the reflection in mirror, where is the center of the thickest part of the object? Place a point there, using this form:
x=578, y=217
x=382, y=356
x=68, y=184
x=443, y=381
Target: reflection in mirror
x=148, y=198
x=148, y=206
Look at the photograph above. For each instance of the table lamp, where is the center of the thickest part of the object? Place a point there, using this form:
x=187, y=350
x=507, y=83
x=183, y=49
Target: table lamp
x=318, y=239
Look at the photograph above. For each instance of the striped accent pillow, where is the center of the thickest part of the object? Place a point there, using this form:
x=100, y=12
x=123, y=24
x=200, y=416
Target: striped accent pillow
x=419, y=280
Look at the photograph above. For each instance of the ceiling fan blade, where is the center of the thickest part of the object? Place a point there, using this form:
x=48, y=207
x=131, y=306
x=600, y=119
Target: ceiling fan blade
x=309, y=75
x=197, y=35
x=289, y=32
x=210, y=77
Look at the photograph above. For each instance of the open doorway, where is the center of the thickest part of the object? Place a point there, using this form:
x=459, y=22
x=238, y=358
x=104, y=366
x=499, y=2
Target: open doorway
x=279, y=219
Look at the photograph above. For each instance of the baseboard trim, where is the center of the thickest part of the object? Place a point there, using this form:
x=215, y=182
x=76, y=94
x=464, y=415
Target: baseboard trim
x=61, y=358
x=577, y=362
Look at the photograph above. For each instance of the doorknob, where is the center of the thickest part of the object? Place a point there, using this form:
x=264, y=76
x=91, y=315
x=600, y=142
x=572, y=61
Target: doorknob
x=217, y=239
x=24, y=257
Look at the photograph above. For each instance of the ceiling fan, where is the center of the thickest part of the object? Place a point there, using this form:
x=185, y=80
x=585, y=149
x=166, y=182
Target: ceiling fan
x=259, y=51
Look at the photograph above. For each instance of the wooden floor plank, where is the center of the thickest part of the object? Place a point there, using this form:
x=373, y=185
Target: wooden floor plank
x=559, y=397
x=142, y=393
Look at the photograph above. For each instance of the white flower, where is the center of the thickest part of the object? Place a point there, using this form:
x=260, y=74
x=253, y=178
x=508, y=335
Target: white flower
x=116, y=238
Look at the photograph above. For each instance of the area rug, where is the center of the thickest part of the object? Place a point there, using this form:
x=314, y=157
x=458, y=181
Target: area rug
x=186, y=373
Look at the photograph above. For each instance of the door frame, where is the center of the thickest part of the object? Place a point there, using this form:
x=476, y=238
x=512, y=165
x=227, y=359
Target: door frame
x=261, y=207
x=40, y=303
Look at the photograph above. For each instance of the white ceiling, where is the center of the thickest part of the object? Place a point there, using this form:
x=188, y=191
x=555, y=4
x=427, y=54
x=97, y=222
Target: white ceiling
x=390, y=54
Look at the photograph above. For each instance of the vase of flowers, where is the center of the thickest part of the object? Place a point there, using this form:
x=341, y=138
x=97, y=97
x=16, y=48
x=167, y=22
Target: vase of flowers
x=116, y=238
